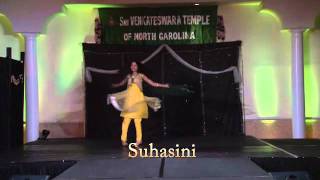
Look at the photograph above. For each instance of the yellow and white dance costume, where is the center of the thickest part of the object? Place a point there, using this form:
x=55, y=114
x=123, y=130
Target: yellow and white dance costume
x=133, y=104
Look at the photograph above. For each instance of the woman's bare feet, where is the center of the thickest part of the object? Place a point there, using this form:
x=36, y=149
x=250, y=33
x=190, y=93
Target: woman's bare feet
x=124, y=143
x=137, y=144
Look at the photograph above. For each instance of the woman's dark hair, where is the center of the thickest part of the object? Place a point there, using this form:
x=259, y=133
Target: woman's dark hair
x=127, y=69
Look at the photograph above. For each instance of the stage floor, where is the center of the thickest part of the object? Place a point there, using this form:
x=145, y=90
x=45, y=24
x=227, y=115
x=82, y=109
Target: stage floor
x=217, y=158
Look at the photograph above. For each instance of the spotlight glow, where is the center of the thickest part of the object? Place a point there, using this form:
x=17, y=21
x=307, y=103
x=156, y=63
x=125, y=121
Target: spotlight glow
x=311, y=85
x=8, y=38
x=310, y=121
x=270, y=13
x=265, y=91
x=268, y=121
x=257, y=3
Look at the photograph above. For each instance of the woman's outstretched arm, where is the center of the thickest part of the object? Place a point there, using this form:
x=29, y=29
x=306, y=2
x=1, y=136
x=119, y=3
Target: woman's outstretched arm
x=152, y=83
x=123, y=82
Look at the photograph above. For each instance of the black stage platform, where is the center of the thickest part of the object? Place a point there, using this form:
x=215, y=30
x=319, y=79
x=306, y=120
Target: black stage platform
x=231, y=158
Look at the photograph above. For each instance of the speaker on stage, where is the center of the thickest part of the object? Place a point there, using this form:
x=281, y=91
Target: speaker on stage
x=290, y=175
x=11, y=103
x=29, y=177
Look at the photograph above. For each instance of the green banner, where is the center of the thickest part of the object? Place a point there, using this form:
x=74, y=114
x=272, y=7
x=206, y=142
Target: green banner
x=169, y=25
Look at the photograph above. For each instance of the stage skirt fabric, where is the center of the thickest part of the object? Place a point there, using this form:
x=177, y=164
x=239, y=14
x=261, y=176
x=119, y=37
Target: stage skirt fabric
x=132, y=103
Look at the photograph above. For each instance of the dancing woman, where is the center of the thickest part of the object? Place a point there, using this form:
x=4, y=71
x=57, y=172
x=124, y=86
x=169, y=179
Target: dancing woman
x=132, y=102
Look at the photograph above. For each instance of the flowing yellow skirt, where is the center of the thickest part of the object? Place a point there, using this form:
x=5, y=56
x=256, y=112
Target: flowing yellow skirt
x=132, y=103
